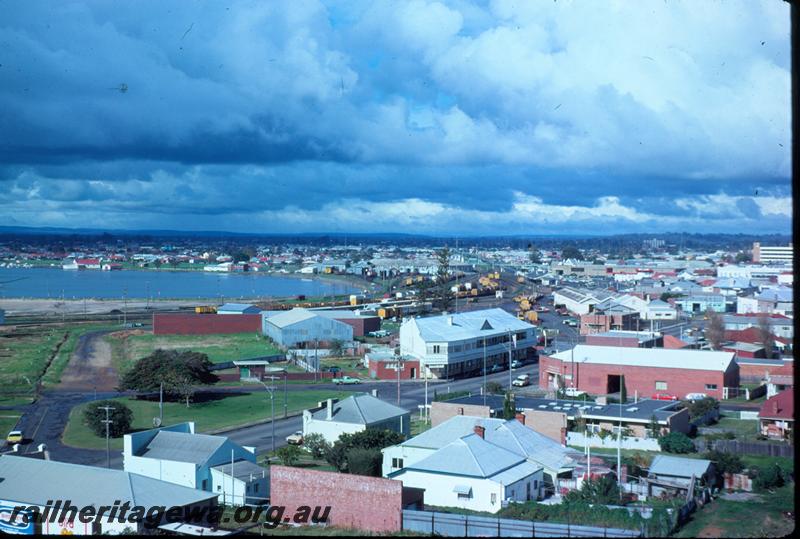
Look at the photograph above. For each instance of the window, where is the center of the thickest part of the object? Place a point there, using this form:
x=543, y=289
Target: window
x=255, y=487
x=219, y=487
x=436, y=348
x=494, y=497
x=205, y=484
x=397, y=463
x=711, y=386
x=661, y=386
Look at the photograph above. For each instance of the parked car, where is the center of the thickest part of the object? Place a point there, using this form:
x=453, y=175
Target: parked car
x=664, y=397
x=14, y=437
x=521, y=381
x=542, y=309
x=695, y=396
x=334, y=370
x=571, y=322
x=573, y=392
x=516, y=364
x=346, y=380
x=495, y=368
x=295, y=438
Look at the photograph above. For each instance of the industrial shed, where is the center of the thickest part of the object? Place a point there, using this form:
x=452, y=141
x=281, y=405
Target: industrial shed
x=291, y=328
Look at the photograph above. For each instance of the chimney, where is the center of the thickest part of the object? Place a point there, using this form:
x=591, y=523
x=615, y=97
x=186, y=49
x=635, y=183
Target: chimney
x=460, y=411
x=480, y=431
x=374, y=392
x=330, y=409
x=520, y=417
x=449, y=320
x=775, y=407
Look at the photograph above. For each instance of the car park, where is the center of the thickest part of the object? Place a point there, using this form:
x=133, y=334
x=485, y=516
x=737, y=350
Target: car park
x=346, y=380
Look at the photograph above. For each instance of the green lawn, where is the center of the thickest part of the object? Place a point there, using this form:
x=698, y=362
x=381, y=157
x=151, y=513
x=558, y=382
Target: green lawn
x=347, y=364
x=419, y=426
x=230, y=411
x=8, y=421
x=23, y=358
x=743, y=429
x=129, y=346
x=728, y=518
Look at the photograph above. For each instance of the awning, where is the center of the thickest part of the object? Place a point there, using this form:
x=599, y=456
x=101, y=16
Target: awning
x=465, y=490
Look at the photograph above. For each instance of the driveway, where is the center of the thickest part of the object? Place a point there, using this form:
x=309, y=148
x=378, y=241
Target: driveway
x=90, y=367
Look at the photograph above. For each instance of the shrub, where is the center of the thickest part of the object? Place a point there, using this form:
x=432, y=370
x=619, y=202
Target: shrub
x=316, y=445
x=603, y=491
x=725, y=462
x=288, y=455
x=121, y=417
x=494, y=388
x=361, y=461
x=676, y=442
x=373, y=439
x=768, y=477
x=701, y=407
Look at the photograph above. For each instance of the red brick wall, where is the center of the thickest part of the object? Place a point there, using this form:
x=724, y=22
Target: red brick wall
x=362, y=326
x=592, y=378
x=382, y=372
x=747, y=370
x=367, y=503
x=204, y=324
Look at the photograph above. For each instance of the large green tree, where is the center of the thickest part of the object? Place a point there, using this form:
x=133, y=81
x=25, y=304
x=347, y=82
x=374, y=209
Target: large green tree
x=570, y=251
x=179, y=371
x=444, y=296
x=121, y=417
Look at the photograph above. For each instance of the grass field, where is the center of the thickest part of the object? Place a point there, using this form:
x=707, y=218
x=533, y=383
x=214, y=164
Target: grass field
x=7, y=422
x=24, y=356
x=752, y=518
x=129, y=346
x=229, y=411
x=743, y=429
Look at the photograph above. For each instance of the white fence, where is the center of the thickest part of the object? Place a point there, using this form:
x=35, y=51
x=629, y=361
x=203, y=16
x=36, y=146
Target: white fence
x=748, y=415
x=611, y=442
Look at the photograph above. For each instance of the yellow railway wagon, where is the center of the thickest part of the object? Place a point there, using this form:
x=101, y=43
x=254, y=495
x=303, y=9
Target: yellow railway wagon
x=532, y=316
x=205, y=309
x=525, y=305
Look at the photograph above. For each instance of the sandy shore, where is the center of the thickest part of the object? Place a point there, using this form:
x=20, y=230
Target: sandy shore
x=89, y=306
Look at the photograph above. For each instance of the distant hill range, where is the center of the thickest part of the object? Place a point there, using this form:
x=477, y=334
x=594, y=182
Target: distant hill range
x=605, y=243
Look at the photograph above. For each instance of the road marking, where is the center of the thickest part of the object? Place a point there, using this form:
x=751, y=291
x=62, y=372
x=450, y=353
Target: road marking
x=36, y=430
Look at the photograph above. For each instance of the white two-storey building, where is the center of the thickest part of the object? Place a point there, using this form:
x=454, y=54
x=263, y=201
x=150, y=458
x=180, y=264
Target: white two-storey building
x=456, y=344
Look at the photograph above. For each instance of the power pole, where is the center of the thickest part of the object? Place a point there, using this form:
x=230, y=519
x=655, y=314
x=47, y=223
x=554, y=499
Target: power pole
x=107, y=421
x=484, y=371
x=399, y=368
x=124, y=307
x=161, y=404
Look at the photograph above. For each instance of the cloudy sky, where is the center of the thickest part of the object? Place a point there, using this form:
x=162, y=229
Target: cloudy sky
x=452, y=117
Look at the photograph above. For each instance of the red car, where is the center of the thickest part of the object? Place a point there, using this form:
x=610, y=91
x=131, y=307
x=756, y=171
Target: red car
x=664, y=397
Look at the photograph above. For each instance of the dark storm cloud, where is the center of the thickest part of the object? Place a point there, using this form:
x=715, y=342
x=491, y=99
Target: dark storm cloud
x=446, y=109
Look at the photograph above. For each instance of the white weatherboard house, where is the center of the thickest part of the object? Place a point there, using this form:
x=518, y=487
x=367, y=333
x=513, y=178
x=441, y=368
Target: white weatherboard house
x=211, y=463
x=511, y=435
x=357, y=413
x=37, y=483
x=454, y=345
x=472, y=473
x=289, y=328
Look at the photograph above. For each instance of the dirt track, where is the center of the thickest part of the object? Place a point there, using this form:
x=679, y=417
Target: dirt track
x=90, y=366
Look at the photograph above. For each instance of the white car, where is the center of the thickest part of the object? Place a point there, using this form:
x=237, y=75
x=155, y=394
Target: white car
x=695, y=396
x=573, y=392
x=521, y=381
x=295, y=438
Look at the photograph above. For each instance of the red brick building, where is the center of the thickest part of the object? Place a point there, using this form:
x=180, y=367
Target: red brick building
x=598, y=370
x=366, y=503
x=204, y=324
x=630, y=339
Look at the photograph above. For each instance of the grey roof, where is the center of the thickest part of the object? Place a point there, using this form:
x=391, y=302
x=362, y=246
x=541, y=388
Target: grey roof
x=470, y=455
x=35, y=481
x=340, y=314
x=287, y=318
x=362, y=409
x=777, y=294
x=182, y=446
x=236, y=307
x=678, y=466
x=641, y=336
x=508, y=435
x=640, y=411
x=468, y=325
x=648, y=357
x=243, y=470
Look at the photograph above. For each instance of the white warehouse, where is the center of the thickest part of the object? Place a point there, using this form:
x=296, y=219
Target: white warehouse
x=457, y=344
x=290, y=328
